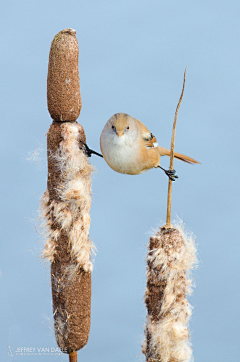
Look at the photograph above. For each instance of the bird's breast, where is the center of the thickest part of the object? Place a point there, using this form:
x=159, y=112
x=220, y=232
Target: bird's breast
x=121, y=154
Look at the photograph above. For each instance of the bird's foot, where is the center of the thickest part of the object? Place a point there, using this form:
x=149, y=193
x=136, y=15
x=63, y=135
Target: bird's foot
x=171, y=174
x=88, y=152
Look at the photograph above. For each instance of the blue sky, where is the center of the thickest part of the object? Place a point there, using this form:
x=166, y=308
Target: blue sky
x=132, y=59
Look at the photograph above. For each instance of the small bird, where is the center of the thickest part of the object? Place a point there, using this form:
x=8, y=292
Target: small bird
x=129, y=147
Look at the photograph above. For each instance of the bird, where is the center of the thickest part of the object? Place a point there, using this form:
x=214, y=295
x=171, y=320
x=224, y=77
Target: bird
x=128, y=147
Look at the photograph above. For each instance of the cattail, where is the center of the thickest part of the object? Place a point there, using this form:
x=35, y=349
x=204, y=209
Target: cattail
x=63, y=89
x=171, y=256
x=65, y=206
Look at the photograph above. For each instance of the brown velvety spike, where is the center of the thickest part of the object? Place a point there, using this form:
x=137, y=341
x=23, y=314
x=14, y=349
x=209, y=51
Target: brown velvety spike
x=71, y=300
x=63, y=87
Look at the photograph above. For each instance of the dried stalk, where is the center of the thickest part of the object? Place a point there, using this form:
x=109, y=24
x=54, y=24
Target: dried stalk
x=73, y=357
x=169, y=199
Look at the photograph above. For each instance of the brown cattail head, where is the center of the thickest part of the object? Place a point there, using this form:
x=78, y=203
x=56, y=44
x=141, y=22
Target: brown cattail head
x=71, y=294
x=171, y=256
x=63, y=89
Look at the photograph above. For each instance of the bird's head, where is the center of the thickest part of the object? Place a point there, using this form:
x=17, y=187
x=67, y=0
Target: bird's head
x=122, y=125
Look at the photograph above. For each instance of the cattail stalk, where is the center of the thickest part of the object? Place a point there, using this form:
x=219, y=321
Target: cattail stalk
x=171, y=257
x=65, y=206
x=169, y=199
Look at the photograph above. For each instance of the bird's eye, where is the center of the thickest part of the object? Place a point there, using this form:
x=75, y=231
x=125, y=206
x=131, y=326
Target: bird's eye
x=113, y=127
x=127, y=127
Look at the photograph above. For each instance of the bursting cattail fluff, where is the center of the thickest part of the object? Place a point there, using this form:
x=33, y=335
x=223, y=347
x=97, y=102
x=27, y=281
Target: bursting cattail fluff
x=171, y=256
x=71, y=202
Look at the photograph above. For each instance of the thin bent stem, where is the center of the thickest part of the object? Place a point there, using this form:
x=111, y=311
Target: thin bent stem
x=169, y=199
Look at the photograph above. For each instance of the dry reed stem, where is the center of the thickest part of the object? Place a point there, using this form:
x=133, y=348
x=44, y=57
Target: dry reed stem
x=169, y=199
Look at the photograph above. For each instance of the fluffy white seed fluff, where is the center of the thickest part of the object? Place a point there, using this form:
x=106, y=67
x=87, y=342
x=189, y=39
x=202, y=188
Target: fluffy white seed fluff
x=169, y=333
x=72, y=213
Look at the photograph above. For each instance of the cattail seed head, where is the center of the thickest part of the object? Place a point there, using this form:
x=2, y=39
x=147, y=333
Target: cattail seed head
x=171, y=256
x=63, y=88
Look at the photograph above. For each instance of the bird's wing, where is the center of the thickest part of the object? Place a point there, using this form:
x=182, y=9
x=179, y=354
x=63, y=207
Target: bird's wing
x=149, y=139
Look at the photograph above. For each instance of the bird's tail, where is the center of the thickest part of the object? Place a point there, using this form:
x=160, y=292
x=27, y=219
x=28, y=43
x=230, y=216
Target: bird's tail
x=164, y=152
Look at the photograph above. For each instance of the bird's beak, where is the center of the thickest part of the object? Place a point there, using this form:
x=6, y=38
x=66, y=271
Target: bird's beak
x=119, y=133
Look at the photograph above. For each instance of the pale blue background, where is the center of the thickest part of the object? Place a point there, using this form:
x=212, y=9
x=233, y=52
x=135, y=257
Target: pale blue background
x=132, y=57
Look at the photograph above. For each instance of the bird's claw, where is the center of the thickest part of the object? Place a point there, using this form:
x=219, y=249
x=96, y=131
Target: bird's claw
x=171, y=174
x=88, y=152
